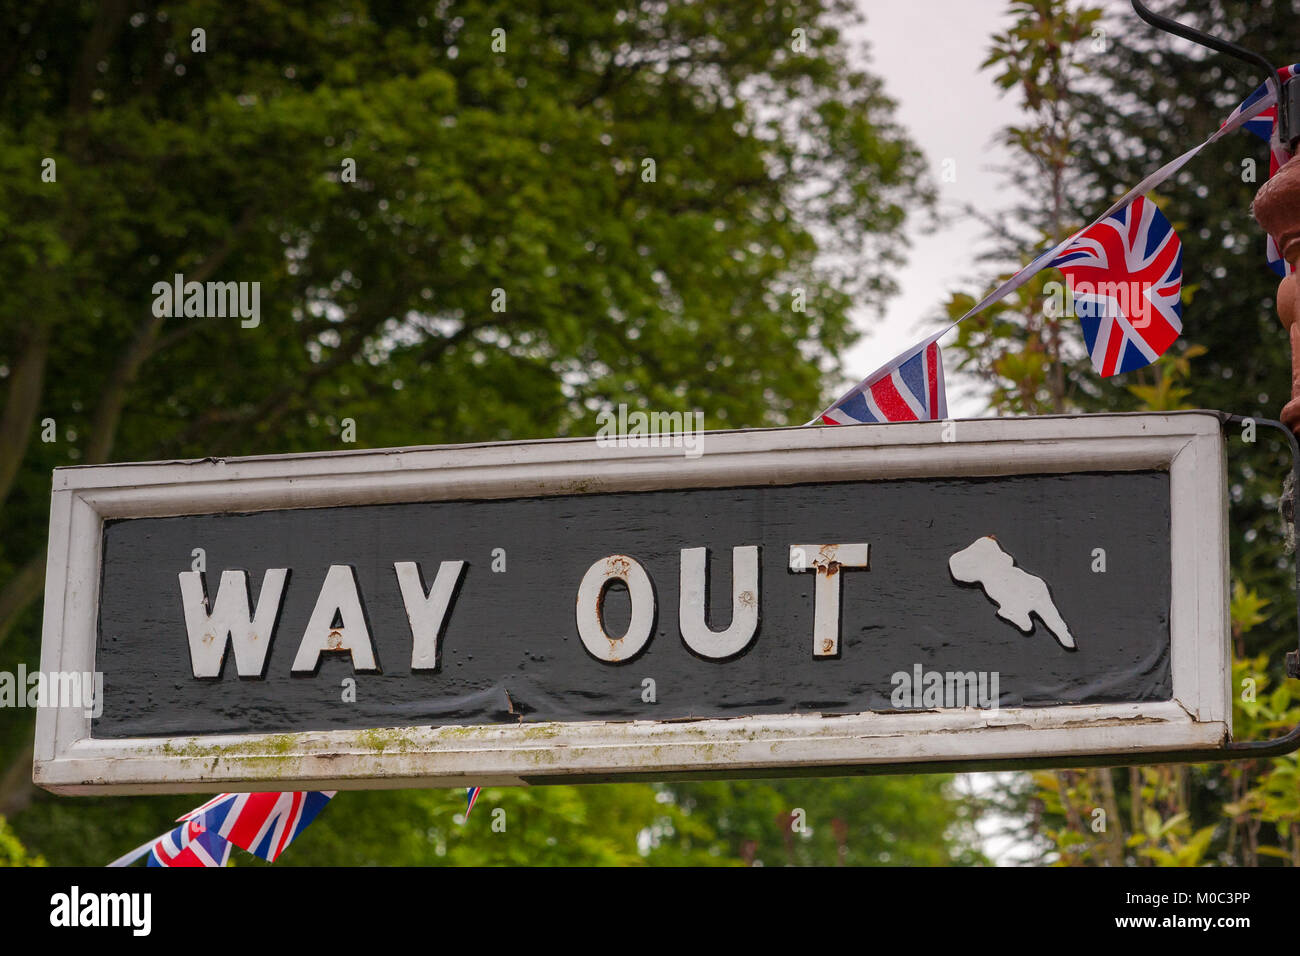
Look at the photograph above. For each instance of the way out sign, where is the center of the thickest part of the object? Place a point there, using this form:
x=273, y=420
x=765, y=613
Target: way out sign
x=805, y=600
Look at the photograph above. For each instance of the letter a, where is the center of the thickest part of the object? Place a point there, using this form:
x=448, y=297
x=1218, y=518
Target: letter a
x=338, y=596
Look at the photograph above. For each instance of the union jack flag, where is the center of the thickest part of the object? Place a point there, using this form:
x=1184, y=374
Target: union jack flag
x=261, y=823
x=907, y=389
x=471, y=798
x=1264, y=125
x=1125, y=276
x=190, y=844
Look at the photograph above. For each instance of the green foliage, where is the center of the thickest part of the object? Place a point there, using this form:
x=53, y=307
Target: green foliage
x=776, y=171
x=847, y=821
x=555, y=826
x=1013, y=346
x=1246, y=609
x=1154, y=97
x=1091, y=822
x=1100, y=116
x=1264, y=808
x=1168, y=392
x=1021, y=346
x=12, y=851
x=1041, y=56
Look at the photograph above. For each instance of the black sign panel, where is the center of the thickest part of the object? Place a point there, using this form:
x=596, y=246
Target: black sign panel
x=1091, y=579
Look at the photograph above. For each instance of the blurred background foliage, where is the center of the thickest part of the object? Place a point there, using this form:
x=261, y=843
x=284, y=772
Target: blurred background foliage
x=781, y=173
x=1107, y=100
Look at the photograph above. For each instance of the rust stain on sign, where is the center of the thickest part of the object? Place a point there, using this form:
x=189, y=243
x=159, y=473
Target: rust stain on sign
x=617, y=568
x=827, y=562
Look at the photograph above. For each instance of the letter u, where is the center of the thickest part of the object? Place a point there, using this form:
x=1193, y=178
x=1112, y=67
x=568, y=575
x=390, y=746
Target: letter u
x=695, y=630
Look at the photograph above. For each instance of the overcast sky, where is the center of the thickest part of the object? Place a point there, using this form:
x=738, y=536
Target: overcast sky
x=928, y=53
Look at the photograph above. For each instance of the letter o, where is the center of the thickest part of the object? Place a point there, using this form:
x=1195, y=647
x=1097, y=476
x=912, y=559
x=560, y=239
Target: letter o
x=591, y=599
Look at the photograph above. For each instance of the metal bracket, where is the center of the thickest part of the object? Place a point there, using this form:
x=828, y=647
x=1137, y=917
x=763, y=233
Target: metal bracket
x=1291, y=740
x=1286, y=91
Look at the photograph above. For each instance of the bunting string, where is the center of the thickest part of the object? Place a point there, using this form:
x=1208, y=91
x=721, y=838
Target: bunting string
x=862, y=402
x=908, y=388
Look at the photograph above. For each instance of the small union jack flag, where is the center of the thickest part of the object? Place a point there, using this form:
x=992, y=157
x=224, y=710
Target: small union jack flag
x=1125, y=276
x=471, y=798
x=261, y=823
x=1264, y=125
x=190, y=844
x=907, y=389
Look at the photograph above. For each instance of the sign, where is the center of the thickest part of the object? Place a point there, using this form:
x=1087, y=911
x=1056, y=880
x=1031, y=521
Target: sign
x=786, y=600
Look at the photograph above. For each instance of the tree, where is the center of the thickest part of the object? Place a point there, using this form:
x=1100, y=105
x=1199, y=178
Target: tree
x=1043, y=55
x=12, y=851
x=1137, y=99
x=457, y=234
x=847, y=821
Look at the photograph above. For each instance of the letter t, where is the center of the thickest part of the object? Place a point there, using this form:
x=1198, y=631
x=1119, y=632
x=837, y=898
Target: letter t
x=828, y=560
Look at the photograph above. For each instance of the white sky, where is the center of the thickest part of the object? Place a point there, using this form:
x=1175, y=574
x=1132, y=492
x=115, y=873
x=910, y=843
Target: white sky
x=928, y=53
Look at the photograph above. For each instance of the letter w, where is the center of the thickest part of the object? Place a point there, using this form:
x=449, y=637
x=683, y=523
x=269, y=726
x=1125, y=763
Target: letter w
x=229, y=617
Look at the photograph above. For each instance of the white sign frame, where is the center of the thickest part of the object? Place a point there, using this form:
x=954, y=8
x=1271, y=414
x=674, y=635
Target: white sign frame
x=1188, y=445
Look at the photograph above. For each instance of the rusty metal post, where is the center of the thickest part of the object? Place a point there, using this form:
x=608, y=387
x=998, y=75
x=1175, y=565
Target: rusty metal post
x=1277, y=210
